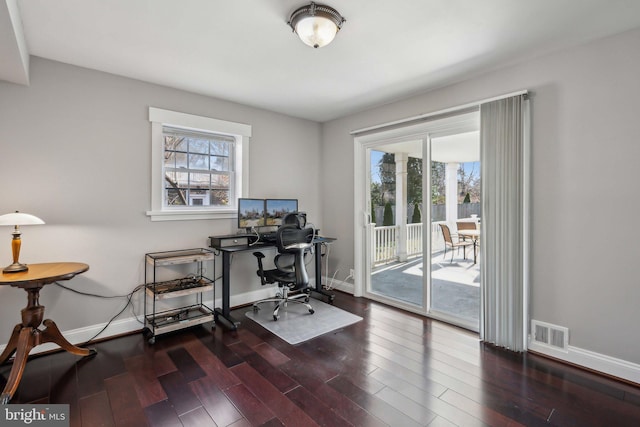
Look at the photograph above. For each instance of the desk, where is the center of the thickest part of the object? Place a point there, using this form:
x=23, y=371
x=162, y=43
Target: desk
x=475, y=235
x=224, y=313
x=26, y=335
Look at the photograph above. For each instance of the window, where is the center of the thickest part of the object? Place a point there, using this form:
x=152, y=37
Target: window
x=199, y=166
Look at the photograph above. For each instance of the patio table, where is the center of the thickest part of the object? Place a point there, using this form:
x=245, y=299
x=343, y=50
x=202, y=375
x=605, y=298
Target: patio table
x=475, y=235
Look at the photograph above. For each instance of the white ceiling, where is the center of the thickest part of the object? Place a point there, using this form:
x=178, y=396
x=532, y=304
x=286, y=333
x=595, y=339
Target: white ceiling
x=243, y=51
x=463, y=147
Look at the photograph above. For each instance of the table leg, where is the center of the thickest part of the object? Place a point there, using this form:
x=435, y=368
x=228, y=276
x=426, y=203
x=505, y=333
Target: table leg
x=11, y=345
x=53, y=334
x=224, y=315
x=26, y=341
x=475, y=251
x=26, y=336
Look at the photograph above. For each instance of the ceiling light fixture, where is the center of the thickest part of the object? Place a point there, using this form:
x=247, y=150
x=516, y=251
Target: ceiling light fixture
x=316, y=24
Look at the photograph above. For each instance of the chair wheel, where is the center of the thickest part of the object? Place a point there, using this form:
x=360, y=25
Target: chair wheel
x=152, y=340
x=311, y=311
x=275, y=318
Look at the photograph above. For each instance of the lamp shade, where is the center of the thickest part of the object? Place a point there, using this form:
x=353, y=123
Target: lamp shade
x=19, y=218
x=316, y=24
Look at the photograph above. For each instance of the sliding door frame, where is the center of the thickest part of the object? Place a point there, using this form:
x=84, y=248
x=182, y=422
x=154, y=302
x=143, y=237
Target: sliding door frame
x=422, y=131
x=420, y=125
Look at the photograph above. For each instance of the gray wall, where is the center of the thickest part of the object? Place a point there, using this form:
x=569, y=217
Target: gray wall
x=75, y=149
x=585, y=153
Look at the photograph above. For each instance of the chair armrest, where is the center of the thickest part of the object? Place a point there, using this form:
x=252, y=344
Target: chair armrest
x=260, y=271
x=298, y=246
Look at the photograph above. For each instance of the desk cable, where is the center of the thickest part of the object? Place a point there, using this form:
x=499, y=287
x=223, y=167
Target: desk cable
x=329, y=285
x=253, y=230
x=128, y=296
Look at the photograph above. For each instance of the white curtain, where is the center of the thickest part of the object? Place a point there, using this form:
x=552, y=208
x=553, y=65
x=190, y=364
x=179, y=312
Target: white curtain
x=504, y=229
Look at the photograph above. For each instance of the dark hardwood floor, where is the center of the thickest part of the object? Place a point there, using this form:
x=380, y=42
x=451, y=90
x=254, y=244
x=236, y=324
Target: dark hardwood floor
x=392, y=368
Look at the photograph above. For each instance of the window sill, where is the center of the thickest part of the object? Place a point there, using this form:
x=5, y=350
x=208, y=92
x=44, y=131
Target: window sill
x=191, y=215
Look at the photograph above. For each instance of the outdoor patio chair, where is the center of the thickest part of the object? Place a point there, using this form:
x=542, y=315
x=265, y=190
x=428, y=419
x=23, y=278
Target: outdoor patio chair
x=465, y=225
x=449, y=243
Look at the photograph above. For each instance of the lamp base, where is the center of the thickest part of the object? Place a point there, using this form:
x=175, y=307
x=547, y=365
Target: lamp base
x=15, y=268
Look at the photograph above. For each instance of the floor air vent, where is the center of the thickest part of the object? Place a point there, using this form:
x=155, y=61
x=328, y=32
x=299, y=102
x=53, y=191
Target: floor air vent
x=548, y=335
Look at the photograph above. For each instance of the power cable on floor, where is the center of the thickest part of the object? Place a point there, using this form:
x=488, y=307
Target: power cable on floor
x=128, y=296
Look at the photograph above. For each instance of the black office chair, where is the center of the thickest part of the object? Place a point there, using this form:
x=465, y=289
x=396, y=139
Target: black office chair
x=293, y=242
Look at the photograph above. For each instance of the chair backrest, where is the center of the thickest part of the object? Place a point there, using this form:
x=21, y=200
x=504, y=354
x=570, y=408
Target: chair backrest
x=446, y=234
x=293, y=243
x=295, y=218
x=290, y=234
x=466, y=225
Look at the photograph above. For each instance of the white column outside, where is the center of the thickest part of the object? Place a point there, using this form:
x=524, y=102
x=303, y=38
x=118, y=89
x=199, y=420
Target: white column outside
x=451, y=193
x=401, y=204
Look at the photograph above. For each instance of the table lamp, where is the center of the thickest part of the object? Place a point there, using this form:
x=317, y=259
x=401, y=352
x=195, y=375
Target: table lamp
x=17, y=219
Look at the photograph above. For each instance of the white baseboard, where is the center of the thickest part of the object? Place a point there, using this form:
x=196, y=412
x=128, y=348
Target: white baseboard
x=131, y=324
x=81, y=335
x=619, y=368
x=343, y=286
x=250, y=297
x=598, y=362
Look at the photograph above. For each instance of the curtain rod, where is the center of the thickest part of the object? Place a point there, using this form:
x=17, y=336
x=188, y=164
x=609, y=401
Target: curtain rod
x=425, y=116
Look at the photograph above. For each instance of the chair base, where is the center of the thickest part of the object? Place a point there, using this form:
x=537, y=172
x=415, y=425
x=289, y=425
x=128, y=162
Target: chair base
x=302, y=298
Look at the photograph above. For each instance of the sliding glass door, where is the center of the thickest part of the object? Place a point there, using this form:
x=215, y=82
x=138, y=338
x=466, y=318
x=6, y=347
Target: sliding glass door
x=395, y=230
x=401, y=255
x=455, y=228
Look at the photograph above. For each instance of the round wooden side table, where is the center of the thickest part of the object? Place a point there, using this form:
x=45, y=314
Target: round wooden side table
x=27, y=335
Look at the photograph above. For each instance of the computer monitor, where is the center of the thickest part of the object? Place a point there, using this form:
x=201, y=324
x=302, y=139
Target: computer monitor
x=251, y=213
x=276, y=209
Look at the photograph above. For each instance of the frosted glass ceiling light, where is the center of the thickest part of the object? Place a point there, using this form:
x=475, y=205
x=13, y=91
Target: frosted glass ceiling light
x=316, y=24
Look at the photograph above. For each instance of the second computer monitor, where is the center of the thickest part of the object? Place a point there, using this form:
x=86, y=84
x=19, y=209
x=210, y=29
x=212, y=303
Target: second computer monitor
x=276, y=209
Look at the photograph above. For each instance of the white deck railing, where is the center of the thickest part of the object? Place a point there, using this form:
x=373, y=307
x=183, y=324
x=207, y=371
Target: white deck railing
x=384, y=241
x=414, y=239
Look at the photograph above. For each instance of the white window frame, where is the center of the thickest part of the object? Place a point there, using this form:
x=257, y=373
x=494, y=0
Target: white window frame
x=242, y=134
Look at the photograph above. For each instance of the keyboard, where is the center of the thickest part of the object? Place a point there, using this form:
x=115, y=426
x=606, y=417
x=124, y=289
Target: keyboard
x=268, y=237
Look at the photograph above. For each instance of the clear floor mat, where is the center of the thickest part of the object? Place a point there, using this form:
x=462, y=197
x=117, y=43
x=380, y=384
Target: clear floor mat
x=296, y=325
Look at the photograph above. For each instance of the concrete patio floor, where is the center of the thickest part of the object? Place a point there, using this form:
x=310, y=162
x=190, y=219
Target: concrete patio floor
x=455, y=285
